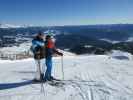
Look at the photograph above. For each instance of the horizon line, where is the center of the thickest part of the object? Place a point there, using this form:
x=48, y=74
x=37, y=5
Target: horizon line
x=26, y=25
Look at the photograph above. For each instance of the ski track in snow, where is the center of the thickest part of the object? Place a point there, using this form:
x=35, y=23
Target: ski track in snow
x=86, y=78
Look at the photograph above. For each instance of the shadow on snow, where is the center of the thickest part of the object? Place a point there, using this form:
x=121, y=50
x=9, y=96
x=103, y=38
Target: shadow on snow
x=4, y=86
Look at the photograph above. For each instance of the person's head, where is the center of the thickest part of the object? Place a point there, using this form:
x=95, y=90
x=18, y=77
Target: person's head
x=48, y=37
x=40, y=35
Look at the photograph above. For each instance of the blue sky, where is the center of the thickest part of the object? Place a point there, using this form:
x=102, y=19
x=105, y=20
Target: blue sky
x=66, y=12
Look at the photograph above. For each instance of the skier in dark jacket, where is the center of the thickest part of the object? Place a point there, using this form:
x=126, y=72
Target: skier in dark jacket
x=38, y=49
x=50, y=49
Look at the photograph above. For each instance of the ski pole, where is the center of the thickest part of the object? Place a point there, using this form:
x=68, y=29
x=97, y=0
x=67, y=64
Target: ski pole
x=62, y=64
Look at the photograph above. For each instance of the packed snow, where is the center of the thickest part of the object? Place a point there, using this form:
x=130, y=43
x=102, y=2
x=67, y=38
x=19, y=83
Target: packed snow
x=86, y=78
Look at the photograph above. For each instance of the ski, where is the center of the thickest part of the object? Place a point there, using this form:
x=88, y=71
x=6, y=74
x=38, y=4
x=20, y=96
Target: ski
x=56, y=83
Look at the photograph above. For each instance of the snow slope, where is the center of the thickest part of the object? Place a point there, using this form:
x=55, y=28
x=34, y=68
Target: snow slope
x=87, y=78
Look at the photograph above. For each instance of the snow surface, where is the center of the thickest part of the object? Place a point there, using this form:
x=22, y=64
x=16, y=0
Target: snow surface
x=120, y=55
x=130, y=39
x=87, y=78
x=16, y=49
x=110, y=41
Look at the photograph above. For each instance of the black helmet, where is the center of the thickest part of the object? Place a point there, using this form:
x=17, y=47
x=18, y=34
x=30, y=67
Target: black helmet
x=48, y=37
x=40, y=33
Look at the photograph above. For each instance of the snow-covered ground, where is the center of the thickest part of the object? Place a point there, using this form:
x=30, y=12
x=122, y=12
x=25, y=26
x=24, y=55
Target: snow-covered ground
x=16, y=49
x=86, y=77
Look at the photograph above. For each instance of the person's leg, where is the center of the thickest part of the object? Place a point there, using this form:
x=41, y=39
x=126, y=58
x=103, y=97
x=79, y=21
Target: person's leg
x=42, y=61
x=49, y=68
x=37, y=74
x=43, y=66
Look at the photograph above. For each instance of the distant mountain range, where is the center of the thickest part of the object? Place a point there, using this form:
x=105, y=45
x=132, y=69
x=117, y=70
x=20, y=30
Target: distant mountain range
x=96, y=39
x=8, y=26
x=113, y=32
x=13, y=26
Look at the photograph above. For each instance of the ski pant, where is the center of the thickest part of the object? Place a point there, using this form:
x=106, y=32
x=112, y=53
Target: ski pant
x=49, y=67
x=41, y=64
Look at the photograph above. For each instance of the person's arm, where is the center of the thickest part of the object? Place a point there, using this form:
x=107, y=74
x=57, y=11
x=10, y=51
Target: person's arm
x=37, y=43
x=57, y=52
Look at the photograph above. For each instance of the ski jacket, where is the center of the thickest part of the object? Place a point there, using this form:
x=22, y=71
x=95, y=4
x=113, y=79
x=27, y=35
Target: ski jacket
x=50, y=49
x=38, y=48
